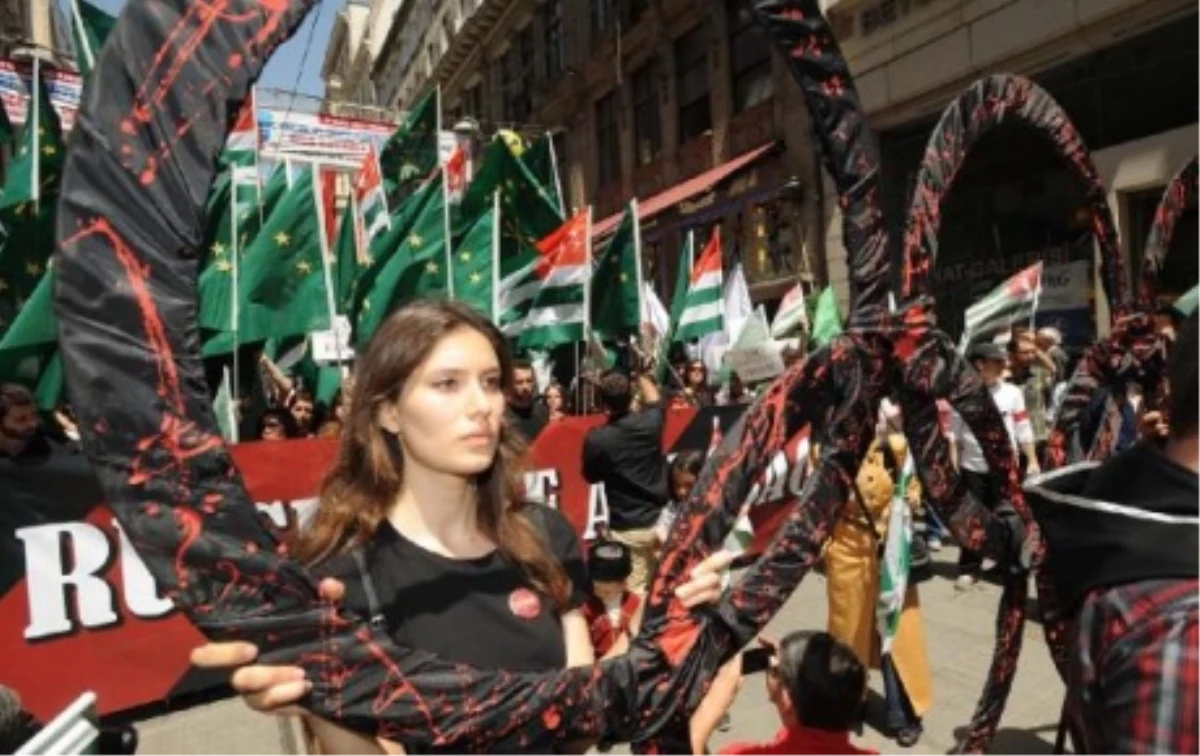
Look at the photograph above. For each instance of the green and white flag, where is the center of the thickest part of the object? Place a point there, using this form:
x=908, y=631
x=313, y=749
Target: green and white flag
x=704, y=306
x=90, y=26
x=1013, y=301
x=897, y=557
x=544, y=304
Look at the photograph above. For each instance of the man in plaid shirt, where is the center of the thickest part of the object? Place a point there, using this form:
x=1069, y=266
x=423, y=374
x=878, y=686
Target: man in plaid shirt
x=1123, y=547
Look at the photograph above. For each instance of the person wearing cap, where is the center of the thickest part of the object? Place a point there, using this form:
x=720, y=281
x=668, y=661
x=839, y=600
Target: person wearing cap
x=613, y=612
x=990, y=361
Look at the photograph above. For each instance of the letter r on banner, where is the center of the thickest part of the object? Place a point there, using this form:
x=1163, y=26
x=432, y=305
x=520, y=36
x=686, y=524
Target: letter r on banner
x=47, y=579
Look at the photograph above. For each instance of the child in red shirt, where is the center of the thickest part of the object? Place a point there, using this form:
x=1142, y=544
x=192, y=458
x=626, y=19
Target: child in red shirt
x=613, y=612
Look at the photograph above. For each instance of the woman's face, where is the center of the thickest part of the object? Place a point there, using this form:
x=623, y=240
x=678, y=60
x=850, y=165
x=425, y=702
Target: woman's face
x=554, y=399
x=697, y=375
x=448, y=416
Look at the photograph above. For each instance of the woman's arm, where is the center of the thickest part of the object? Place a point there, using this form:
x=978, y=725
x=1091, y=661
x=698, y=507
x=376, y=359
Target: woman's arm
x=580, y=652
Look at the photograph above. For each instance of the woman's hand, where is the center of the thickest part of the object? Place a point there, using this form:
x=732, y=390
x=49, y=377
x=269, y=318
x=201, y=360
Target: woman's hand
x=267, y=688
x=704, y=585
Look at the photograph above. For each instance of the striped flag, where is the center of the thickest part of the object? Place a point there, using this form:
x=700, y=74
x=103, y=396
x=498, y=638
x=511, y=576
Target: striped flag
x=457, y=174
x=793, y=313
x=1011, y=302
x=371, y=199
x=704, y=307
x=897, y=558
x=544, y=304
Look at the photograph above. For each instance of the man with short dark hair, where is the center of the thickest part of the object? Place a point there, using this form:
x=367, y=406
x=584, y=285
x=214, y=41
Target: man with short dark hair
x=817, y=684
x=1033, y=371
x=20, y=425
x=303, y=406
x=626, y=456
x=1123, y=553
x=525, y=412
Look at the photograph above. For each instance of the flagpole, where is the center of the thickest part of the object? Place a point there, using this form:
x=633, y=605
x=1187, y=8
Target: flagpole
x=437, y=102
x=496, y=257
x=326, y=265
x=84, y=42
x=235, y=309
x=637, y=258
x=562, y=207
x=32, y=120
x=587, y=304
x=257, y=154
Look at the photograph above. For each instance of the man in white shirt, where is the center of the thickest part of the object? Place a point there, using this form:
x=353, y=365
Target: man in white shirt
x=990, y=361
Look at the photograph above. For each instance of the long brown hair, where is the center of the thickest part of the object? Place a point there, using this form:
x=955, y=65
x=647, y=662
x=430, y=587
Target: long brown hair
x=369, y=474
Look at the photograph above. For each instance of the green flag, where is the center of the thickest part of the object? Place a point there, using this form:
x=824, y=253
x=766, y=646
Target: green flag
x=827, y=322
x=703, y=310
x=683, y=280
x=7, y=132
x=416, y=270
x=897, y=558
x=89, y=28
x=35, y=325
x=474, y=262
x=216, y=277
x=24, y=256
x=411, y=153
x=345, y=254
x=386, y=245
x=35, y=169
x=616, y=288
x=282, y=275
x=543, y=165
x=527, y=215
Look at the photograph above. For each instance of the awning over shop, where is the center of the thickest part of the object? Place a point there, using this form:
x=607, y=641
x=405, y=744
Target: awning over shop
x=684, y=190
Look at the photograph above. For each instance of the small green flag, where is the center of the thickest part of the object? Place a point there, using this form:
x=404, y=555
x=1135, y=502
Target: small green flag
x=616, y=291
x=281, y=277
x=827, y=322
x=90, y=26
x=411, y=152
x=474, y=262
x=543, y=166
x=416, y=270
x=24, y=256
x=33, y=173
x=35, y=325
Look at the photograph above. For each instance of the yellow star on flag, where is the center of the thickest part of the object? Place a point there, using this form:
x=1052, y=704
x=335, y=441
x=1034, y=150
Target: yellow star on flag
x=415, y=240
x=366, y=305
x=49, y=150
x=624, y=278
x=218, y=249
x=465, y=255
x=33, y=269
x=303, y=267
x=476, y=278
x=224, y=266
x=431, y=267
x=282, y=239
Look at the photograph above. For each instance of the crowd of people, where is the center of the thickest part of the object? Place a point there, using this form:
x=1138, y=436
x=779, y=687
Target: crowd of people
x=423, y=529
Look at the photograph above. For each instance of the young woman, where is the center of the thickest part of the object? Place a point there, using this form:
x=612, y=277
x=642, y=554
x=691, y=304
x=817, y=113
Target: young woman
x=424, y=506
x=695, y=385
x=556, y=402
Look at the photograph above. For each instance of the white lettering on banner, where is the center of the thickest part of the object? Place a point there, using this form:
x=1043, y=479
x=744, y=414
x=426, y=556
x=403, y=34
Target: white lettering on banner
x=68, y=558
x=141, y=595
x=47, y=578
x=541, y=486
x=597, y=510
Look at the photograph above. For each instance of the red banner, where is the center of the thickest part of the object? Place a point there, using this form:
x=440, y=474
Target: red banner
x=75, y=596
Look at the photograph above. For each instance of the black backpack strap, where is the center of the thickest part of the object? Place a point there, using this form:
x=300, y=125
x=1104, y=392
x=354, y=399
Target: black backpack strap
x=377, y=619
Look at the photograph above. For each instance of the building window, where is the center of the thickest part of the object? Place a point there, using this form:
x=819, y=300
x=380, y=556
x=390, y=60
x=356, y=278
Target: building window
x=691, y=66
x=647, y=118
x=553, y=24
x=604, y=14
x=749, y=57
x=608, y=140
x=473, y=101
x=517, y=104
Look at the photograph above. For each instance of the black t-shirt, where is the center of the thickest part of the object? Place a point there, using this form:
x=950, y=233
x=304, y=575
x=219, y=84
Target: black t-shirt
x=482, y=612
x=530, y=420
x=626, y=455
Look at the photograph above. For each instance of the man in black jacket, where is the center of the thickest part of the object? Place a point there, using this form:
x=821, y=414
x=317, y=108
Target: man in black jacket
x=626, y=455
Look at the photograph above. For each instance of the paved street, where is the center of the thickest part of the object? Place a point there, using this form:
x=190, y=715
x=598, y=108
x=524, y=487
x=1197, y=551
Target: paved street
x=959, y=630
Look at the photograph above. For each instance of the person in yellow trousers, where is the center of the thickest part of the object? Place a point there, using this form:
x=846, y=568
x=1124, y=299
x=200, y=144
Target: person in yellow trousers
x=853, y=563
